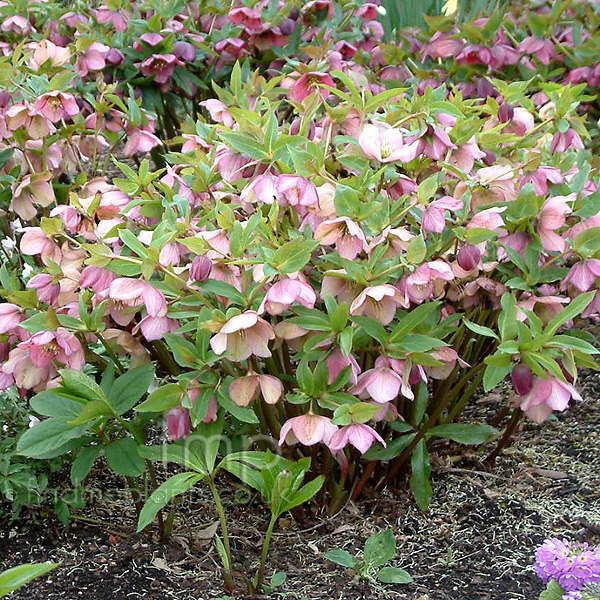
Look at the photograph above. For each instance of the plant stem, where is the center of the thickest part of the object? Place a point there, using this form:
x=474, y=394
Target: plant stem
x=504, y=440
x=260, y=574
x=227, y=573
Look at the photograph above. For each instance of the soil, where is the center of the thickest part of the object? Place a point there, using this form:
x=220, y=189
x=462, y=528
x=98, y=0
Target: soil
x=475, y=543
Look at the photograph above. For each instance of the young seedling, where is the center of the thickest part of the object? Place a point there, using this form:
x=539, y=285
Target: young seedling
x=379, y=549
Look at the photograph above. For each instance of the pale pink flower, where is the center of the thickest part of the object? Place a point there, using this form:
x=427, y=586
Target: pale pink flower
x=384, y=143
x=261, y=189
x=545, y=396
x=347, y=236
x=96, y=278
x=25, y=374
x=582, y=275
x=92, y=58
x=464, y=156
x=10, y=317
x=244, y=390
x=47, y=290
x=552, y=217
x=382, y=384
x=435, y=143
x=218, y=112
x=545, y=307
x=427, y=281
x=18, y=24
x=45, y=50
x=337, y=361
x=308, y=429
x=243, y=335
x=140, y=140
x=154, y=328
x=56, y=106
x=293, y=190
x=61, y=345
x=342, y=288
x=35, y=241
x=248, y=17
x=310, y=82
x=540, y=178
x=118, y=18
x=359, y=435
x=127, y=292
x=33, y=189
x=449, y=357
x=561, y=142
x=283, y=294
x=434, y=214
x=379, y=302
x=179, y=423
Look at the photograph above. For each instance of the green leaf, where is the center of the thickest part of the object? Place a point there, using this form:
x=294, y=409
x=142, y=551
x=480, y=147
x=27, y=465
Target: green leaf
x=84, y=462
x=410, y=321
x=47, y=436
x=164, y=398
x=494, y=375
x=417, y=250
x=293, y=255
x=52, y=403
x=91, y=411
x=80, y=385
x=174, y=486
x=123, y=458
x=587, y=243
x=126, y=391
x=464, y=433
x=553, y=591
x=342, y=557
x=393, y=449
x=420, y=484
x=394, y=575
x=13, y=579
x=480, y=329
x=129, y=239
x=572, y=310
x=304, y=494
x=178, y=453
x=245, y=144
x=373, y=328
x=379, y=549
x=278, y=579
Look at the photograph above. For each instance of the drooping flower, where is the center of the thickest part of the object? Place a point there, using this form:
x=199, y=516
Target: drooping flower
x=283, y=294
x=359, y=435
x=545, y=396
x=161, y=66
x=33, y=189
x=61, y=345
x=379, y=302
x=245, y=389
x=179, y=423
x=56, y=105
x=129, y=292
x=308, y=83
x=243, y=335
x=347, y=236
x=47, y=289
x=308, y=429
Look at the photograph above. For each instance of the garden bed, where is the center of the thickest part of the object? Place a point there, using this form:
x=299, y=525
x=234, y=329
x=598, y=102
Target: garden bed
x=475, y=543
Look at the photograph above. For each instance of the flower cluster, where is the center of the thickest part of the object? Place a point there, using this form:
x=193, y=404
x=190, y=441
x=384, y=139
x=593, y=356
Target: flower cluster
x=573, y=565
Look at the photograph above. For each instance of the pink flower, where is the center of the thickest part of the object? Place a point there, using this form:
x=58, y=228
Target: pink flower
x=35, y=241
x=46, y=289
x=552, y=217
x=545, y=396
x=308, y=429
x=96, y=278
x=283, y=294
x=543, y=49
x=434, y=216
x=61, y=345
x=10, y=317
x=427, y=281
x=200, y=268
x=47, y=51
x=245, y=389
x=337, y=362
x=140, y=140
x=179, y=423
x=154, y=328
x=582, y=275
x=379, y=302
x=127, y=292
x=33, y=189
x=261, y=189
x=248, y=17
x=243, y=335
x=25, y=374
x=18, y=24
x=293, y=190
x=118, y=18
x=92, y=59
x=56, y=106
x=359, y=435
x=218, y=112
x=382, y=384
x=442, y=45
x=561, y=142
x=384, y=143
x=347, y=236
x=308, y=83
x=161, y=66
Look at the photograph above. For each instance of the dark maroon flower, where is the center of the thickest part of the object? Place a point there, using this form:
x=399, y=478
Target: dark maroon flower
x=468, y=257
x=522, y=379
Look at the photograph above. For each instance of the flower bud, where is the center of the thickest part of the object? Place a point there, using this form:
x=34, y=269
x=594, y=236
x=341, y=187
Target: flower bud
x=114, y=57
x=522, y=379
x=506, y=112
x=485, y=89
x=295, y=126
x=468, y=257
x=201, y=268
x=294, y=14
x=490, y=157
x=287, y=26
